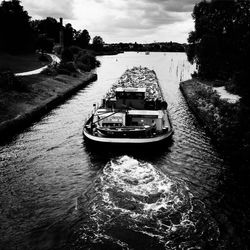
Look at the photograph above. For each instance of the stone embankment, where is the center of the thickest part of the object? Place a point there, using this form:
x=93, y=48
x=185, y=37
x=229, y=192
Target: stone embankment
x=42, y=93
x=218, y=116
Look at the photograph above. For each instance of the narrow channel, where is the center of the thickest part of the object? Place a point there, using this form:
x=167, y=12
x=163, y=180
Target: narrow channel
x=46, y=170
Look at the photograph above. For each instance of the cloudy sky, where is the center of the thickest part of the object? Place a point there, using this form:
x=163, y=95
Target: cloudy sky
x=141, y=21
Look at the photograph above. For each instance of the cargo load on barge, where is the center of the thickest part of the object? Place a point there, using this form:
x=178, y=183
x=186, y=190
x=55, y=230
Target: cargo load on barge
x=133, y=111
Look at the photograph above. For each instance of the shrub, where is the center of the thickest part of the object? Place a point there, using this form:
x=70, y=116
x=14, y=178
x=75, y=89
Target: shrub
x=43, y=58
x=50, y=71
x=66, y=68
x=70, y=66
x=83, y=67
x=86, y=61
x=67, y=55
x=75, y=49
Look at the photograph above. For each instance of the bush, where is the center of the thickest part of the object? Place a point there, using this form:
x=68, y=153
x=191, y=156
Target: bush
x=70, y=66
x=66, y=68
x=43, y=58
x=75, y=49
x=67, y=55
x=86, y=61
x=50, y=71
x=83, y=67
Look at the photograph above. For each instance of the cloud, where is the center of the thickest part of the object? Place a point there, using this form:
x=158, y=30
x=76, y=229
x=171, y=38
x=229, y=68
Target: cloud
x=145, y=14
x=175, y=5
x=120, y=20
x=140, y=15
x=49, y=8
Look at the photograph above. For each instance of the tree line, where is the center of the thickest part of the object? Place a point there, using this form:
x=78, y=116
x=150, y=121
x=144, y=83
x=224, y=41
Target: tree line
x=220, y=43
x=20, y=34
x=156, y=46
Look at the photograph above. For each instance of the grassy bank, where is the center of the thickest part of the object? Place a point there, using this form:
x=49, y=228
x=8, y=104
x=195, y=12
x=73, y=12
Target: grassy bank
x=36, y=96
x=21, y=63
x=224, y=121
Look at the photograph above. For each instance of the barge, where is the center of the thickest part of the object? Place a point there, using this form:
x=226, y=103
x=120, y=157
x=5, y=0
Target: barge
x=132, y=112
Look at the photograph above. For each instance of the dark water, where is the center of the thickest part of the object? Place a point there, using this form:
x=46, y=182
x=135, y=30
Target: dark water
x=57, y=193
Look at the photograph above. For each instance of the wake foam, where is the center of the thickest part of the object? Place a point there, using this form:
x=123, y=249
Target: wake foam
x=134, y=205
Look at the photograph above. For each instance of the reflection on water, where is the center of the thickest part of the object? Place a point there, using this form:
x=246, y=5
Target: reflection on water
x=175, y=196
x=132, y=205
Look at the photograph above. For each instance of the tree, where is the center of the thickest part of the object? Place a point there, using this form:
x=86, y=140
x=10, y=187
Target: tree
x=68, y=35
x=220, y=43
x=48, y=27
x=15, y=28
x=98, y=43
x=82, y=38
x=44, y=43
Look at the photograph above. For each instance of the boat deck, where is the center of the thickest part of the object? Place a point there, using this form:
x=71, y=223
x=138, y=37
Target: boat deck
x=128, y=131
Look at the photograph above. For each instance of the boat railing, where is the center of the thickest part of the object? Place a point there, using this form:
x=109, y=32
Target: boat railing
x=96, y=106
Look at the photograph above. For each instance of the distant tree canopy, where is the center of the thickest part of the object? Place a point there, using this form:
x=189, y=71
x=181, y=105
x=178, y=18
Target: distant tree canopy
x=16, y=32
x=220, y=44
x=19, y=34
x=156, y=46
x=98, y=43
x=82, y=38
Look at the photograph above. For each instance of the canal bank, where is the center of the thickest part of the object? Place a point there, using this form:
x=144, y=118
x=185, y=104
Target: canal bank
x=38, y=95
x=221, y=119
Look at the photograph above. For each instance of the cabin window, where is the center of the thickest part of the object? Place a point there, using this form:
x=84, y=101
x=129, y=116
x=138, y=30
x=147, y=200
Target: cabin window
x=112, y=124
x=130, y=95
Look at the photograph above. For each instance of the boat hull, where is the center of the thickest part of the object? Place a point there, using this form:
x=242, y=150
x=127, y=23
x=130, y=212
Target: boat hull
x=127, y=141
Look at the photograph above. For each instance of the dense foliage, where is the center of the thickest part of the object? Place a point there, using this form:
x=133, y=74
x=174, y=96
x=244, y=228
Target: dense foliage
x=16, y=32
x=19, y=34
x=220, y=44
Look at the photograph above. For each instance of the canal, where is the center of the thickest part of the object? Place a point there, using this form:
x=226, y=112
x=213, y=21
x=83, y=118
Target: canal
x=58, y=192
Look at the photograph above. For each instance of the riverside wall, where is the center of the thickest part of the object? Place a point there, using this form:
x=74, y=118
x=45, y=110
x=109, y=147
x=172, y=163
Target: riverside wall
x=23, y=120
x=222, y=120
x=205, y=116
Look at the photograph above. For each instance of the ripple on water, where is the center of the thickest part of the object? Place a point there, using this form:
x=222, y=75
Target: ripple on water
x=132, y=205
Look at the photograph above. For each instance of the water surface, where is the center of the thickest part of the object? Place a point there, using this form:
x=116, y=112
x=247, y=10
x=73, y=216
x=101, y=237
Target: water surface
x=56, y=191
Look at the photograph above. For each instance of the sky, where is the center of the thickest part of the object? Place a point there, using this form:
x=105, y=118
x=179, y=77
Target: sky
x=141, y=21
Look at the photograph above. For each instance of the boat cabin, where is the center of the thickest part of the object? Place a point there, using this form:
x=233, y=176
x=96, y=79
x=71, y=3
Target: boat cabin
x=130, y=98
